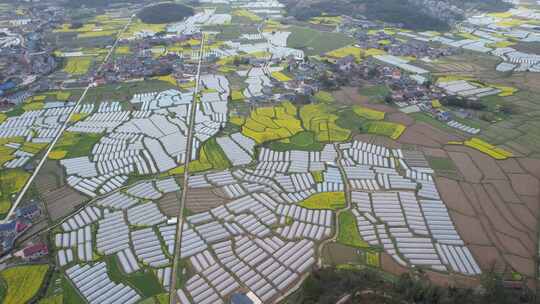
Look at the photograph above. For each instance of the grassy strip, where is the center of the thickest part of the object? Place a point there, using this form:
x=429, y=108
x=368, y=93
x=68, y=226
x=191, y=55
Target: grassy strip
x=348, y=231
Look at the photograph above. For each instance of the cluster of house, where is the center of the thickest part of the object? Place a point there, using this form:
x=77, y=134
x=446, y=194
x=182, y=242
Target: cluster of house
x=410, y=87
x=13, y=228
x=399, y=47
x=136, y=66
x=482, y=33
x=25, y=60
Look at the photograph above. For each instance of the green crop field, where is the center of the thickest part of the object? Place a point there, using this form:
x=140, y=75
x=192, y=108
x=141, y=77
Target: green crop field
x=215, y=155
x=74, y=144
x=304, y=141
x=316, y=42
x=348, y=231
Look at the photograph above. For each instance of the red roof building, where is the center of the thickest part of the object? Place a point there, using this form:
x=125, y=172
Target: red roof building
x=35, y=251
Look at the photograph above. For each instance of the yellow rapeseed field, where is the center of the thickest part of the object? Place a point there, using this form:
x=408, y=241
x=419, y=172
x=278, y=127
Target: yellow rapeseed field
x=280, y=76
x=319, y=118
x=325, y=200
x=326, y=20
x=5, y=153
x=32, y=106
x=368, y=113
x=57, y=154
x=23, y=282
x=77, y=65
x=247, y=14
x=487, y=148
x=356, y=52
x=390, y=129
x=271, y=123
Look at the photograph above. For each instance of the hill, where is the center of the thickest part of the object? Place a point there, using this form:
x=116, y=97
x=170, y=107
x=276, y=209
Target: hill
x=165, y=13
x=411, y=14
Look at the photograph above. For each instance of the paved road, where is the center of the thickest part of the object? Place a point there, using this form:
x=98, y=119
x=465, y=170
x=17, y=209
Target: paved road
x=189, y=148
x=62, y=129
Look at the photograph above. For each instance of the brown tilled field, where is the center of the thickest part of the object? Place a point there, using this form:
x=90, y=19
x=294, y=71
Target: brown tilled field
x=202, y=199
x=59, y=199
x=169, y=204
x=425, y=135
x=350, y=96
x=495, y=208
x=494, y=204
x=62, y=201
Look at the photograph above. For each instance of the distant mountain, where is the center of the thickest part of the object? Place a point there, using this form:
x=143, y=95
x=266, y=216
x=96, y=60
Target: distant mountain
x=412, y=14
x=97, y=3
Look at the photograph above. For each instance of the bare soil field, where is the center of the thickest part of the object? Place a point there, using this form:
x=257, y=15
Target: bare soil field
x=389, y=265
x=505, y=190
x=50, y=177
x=401, y=118
x=59, y=199
x=334, y=253
x=470, y=229
x=202, y=199
x=466, y=64
x=169, y=204
x=491, y=258
x=62, y=201
x=452, y=280
x=524, y=184
x=531, y=165
x=495, y=208
x=466, y=166
x=434, y=152
x=487, y=165
x=454, y=197
x=510, y=166
x=350, y=96
x=425, y=135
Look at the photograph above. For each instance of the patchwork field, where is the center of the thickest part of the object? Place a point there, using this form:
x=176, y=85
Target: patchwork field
x=320, y=120
x=266, y=124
